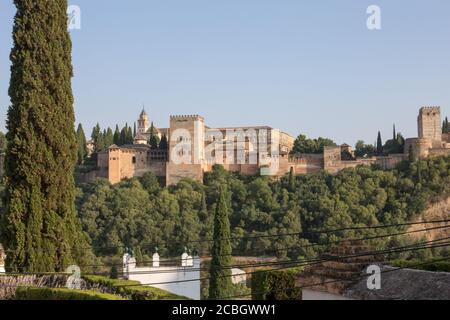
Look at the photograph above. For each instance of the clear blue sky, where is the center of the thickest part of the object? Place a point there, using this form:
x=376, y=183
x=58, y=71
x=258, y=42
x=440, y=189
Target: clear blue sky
x=302, y=66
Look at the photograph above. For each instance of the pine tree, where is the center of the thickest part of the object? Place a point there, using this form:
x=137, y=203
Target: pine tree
x=40, y=228
x=379, y=144
x=134, y=130
x=394, y=135
x=220, y=285
x=82, y=150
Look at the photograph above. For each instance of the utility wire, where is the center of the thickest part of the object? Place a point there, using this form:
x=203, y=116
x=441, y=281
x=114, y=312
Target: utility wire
x=292, y=264
x=334, y=281
x=155, y=244
x=288, y=248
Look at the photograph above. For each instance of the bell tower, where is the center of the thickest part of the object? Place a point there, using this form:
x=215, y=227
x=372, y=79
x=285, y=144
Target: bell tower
x=143, y=123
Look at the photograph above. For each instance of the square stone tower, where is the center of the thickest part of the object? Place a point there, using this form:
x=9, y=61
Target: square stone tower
x=186, y=148
x=429, y=123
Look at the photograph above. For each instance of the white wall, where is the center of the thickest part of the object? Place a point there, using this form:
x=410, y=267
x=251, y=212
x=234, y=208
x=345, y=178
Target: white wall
x=189, y=289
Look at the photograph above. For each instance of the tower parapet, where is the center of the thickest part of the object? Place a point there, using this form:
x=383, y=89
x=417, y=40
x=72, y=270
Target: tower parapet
x=429, y=123
x=189, y=117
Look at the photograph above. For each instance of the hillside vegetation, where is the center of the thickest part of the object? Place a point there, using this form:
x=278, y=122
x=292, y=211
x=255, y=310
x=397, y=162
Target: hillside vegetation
x=140, y=214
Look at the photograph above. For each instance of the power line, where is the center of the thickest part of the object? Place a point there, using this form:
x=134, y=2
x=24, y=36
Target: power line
x=294, y=247
x=292, y=264
x=303, y=232
x=155, y=244
x=245, y=265
x=336, y=281
x=299, y=247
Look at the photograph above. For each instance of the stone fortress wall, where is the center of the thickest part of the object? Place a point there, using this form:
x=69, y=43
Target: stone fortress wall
x=129, y=161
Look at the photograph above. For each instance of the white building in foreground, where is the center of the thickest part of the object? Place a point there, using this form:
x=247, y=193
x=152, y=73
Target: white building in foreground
x=183, y=279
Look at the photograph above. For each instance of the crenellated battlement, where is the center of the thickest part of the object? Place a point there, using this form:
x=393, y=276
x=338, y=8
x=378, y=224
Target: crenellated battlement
x=191, y=117
x=429, y=123
x=426, y=109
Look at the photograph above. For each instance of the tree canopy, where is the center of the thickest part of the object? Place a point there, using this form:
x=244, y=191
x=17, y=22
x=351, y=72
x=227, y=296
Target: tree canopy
x=304, y=145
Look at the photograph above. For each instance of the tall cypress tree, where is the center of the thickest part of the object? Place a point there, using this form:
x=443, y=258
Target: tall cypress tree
x=109, y=138
x=40, y=227
x=154, y=139
x=379, y=144
x=163, y=144
x=291, y=180
x=82, y=150
x=95, y=135
x=220, y=285
x=129, y=135
x=116, y=138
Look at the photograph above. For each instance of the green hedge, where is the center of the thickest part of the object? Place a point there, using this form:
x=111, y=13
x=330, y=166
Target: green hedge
x=25, y=293
x=437, y=266
x=275, y=285
x=130, y=289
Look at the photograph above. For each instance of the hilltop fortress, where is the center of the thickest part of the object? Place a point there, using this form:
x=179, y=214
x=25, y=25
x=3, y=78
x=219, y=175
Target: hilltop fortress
x=194, y=148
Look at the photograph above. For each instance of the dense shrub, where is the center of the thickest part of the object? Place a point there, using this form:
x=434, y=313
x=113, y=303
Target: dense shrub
x=25, y=293
x=130, y=289
x=437, y=266
x=275, y=285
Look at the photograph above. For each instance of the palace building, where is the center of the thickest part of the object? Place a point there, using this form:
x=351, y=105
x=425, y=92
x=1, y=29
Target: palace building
x=193, y=148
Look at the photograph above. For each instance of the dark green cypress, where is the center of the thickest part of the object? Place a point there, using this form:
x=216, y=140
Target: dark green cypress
x=82, y=150
x=411, y=155
x=3, y=142
x=123, y=136
x=154, y=139
x=116, y=138
x=163, y=144
x=445, y=126
x=109, y=138
x=379, y=144
x=95, y=136
x=220, y=285
x=40, y=229
x=129, y=135
x=291, y=180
